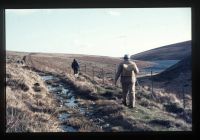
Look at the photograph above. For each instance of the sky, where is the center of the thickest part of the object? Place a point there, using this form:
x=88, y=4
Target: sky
x=104, y=31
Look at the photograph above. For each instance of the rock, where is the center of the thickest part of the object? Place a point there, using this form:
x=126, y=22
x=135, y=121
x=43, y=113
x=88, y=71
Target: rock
x=174, y=108
x=36, y=84
x=165, y=123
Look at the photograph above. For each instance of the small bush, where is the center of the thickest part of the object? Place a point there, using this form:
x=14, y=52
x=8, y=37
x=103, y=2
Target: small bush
x=165, y=123
x=174, y=108
x=17, y=84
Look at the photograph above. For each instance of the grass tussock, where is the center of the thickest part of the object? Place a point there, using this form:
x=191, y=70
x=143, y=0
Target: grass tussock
x=82, y=124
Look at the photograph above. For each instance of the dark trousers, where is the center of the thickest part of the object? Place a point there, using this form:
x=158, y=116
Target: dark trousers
x=75, y=71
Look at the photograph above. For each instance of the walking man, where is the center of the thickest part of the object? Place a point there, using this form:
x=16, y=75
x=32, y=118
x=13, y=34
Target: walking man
x=128, y=70
x=75, y=67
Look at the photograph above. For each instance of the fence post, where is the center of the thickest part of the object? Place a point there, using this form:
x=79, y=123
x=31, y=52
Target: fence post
x=152, y=84
x=93, y=72
x=103, y=75
x=115, y=70
x=115, y=73
x=85, y=68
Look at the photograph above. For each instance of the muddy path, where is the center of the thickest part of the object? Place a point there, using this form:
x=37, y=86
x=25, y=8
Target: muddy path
x=71, y=107
x=65, y=98
x=79, y=112
x=84, y=113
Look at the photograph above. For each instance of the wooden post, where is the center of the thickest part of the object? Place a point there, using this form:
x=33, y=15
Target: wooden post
x=152, y=83
x=115, y=73
x=85, y=68
x=103, y=75
x=115, y=70
x=93, y=72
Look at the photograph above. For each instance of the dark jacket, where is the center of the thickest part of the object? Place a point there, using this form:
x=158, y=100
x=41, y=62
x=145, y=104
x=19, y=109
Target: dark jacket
x=75, y=65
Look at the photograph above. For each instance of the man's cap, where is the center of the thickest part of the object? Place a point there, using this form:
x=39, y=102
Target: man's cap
x=126, y=56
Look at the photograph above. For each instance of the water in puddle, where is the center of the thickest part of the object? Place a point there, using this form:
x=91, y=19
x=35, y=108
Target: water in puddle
x=68, y=128
x=66, y=98
x=71, y=102
x=63, y=116
x=47, y=77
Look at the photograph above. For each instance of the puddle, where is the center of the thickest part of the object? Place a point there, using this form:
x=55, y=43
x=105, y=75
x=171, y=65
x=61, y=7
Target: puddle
x=45, y=78
x=82, y=111
x=65, y=96
x=68, y=128
x=63, y=116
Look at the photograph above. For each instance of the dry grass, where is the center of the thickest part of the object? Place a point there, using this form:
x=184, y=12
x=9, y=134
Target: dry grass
x=83, y=124
x=27, y=110
x=100, y=100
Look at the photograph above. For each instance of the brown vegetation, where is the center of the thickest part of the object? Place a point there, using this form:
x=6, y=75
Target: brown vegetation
x=27, y=110
x=101, y=102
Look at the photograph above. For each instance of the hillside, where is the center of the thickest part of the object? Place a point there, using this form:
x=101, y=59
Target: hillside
x=177, y=77
x=170, y=52
x=53, y=98
x=182, y=67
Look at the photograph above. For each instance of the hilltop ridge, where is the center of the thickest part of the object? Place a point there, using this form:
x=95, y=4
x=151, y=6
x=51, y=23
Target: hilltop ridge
x=175, y=51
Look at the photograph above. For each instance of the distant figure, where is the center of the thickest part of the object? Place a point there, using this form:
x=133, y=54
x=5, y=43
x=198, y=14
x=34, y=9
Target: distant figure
x=128, y=70
x=75, y=67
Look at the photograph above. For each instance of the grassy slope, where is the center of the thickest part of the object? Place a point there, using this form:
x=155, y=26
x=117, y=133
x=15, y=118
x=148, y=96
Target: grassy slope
x=183, y=66
x=170, y=52
x=104, y=102
x=176, y=79
x=178, y=76
x=26, y=109
x=151, y=114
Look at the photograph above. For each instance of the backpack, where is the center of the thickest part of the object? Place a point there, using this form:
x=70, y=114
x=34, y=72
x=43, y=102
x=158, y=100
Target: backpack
x=127, y=69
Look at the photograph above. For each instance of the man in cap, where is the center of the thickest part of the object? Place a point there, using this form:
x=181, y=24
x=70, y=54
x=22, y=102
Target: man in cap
x=128, y=70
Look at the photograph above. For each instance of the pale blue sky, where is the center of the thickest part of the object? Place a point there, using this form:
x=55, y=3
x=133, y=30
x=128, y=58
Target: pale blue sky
x=105, y=31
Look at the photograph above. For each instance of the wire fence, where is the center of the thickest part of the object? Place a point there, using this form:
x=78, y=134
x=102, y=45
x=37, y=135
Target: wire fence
x=107, y=74
x=99, y=72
